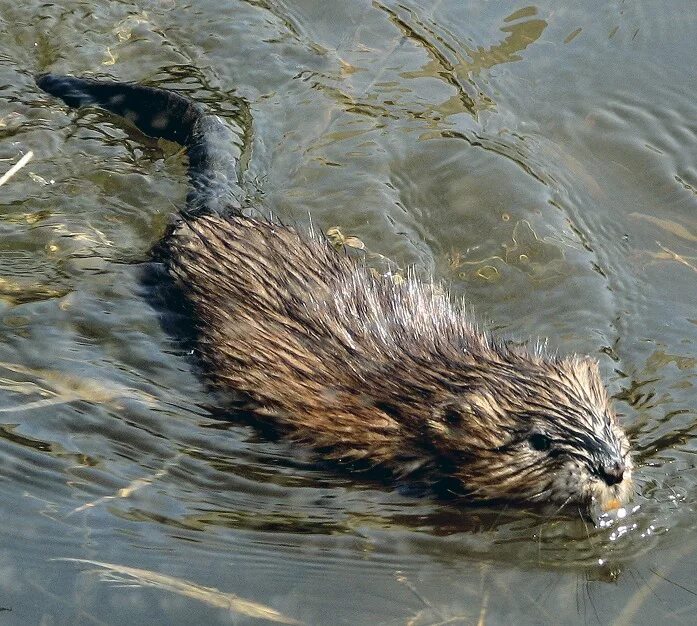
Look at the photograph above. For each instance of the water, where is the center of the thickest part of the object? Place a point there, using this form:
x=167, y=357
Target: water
x=540, y=158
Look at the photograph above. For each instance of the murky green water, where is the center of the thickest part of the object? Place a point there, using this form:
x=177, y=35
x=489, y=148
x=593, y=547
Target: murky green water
x=541, y=158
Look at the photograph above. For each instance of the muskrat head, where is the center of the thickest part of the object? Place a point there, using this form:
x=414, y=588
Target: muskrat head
x=544, y=433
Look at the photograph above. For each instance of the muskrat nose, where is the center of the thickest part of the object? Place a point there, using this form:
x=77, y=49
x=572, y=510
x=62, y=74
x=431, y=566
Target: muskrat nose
x=612, y=473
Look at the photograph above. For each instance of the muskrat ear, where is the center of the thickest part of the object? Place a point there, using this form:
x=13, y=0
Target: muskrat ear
x=444, y=417
x=450, y=414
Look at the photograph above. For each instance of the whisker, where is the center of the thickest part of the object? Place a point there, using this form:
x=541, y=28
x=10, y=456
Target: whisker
x=583, y=521
x=564, y=504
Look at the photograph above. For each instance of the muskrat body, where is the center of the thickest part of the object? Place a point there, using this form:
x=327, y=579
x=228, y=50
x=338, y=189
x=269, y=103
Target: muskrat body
x=365, y=369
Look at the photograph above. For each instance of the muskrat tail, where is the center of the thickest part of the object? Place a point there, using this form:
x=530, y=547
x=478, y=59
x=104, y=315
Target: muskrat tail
x=213, y=145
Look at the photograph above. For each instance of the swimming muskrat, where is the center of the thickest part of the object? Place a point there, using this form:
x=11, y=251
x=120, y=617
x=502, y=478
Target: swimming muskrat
x=368, y=371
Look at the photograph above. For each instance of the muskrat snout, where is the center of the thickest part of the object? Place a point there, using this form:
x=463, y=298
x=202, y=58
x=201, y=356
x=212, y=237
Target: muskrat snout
x=612, y=473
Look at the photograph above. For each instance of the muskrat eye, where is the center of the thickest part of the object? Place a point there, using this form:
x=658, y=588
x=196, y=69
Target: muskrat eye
x=540, y=442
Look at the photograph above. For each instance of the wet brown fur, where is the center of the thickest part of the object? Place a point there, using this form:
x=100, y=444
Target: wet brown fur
x=389, y=373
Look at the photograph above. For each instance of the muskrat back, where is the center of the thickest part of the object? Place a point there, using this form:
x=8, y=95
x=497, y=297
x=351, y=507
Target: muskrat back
x=365, y=369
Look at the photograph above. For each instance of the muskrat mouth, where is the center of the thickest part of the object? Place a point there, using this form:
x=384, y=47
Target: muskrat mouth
x=609, y=499
x=611, y=505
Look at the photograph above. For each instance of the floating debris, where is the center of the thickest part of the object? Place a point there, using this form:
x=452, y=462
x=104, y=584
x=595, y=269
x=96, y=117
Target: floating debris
x=125, y=492
x=16, y=167
x=670, y=226
x=339, y=240
x=14, y=292
x=134, y=576
x=62, y=388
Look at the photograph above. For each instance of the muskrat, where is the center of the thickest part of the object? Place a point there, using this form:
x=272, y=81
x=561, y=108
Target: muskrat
x=366, y=370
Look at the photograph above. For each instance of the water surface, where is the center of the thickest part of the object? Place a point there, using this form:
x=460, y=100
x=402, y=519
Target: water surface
x=539, y=158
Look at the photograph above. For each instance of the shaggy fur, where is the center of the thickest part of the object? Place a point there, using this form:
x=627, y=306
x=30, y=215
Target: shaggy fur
x=367, y=370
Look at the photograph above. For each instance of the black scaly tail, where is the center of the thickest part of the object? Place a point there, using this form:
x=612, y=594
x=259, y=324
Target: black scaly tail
x=213, y=145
